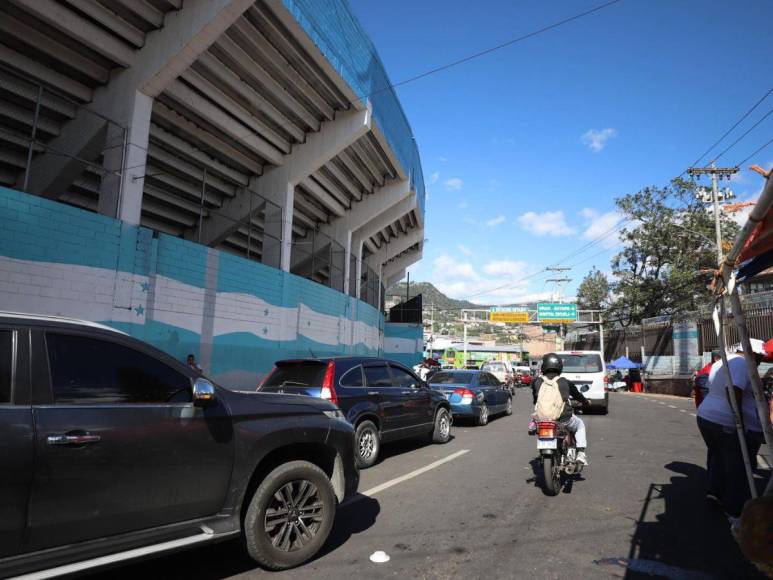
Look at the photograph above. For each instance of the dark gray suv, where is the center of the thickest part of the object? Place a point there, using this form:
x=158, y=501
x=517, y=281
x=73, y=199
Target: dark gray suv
x=109, y=447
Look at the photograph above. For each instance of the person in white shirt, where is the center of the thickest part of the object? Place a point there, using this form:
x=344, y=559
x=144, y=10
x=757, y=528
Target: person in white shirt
x=727, y=483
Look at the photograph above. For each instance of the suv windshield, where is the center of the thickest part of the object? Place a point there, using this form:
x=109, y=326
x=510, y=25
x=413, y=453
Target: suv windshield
x=298, y=374
x=450, y=378
x=581, y=363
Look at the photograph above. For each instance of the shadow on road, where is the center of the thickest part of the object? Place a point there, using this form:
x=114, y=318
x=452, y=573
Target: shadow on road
x=230, y=558
x=687, y=538
x=354, y=517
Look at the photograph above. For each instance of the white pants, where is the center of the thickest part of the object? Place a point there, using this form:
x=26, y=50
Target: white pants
x=576, y=426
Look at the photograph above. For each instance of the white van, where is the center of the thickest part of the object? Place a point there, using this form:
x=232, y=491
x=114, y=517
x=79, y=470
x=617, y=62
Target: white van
x=586, y=369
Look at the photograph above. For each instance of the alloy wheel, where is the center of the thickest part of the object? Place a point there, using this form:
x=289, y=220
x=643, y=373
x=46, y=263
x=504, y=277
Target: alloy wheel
x=445, y=425
x=294, y=515
x=366, y=445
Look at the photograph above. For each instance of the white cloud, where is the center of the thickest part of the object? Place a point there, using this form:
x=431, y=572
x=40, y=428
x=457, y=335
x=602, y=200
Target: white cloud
x=434, y=177
x=493, y=222
x=596, y=139
x=589, y=213
x=449, y=268
x=602, y=227
x=504, y=268
x=503, y=281
x=550, y=223
x=453, y=183
x=464, y=250
x=463, y=205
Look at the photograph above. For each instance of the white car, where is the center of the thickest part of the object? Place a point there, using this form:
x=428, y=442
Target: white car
x=501, y=370
x=586, y=369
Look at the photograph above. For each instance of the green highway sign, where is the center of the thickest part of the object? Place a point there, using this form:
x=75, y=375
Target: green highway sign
x=556, y=313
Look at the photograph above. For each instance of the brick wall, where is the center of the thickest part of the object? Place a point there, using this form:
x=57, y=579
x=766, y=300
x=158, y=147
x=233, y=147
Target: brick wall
x=237, y=316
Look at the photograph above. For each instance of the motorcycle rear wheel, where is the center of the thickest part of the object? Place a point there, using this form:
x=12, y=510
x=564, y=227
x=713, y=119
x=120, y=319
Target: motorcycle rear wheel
x=551, y=475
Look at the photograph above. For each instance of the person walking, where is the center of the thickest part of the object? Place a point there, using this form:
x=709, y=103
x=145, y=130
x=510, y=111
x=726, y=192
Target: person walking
x=727, y=484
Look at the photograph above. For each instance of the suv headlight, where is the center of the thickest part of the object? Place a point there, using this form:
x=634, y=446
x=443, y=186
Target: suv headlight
x=335, y=414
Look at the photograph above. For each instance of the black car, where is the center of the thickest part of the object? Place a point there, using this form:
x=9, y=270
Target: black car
x=384, y=400
x=109, y=447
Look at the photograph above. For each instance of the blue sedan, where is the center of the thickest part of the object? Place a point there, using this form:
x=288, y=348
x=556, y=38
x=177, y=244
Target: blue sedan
x=473, y=394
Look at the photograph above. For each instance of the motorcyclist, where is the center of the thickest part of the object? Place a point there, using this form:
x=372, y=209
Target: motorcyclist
x=552, y=366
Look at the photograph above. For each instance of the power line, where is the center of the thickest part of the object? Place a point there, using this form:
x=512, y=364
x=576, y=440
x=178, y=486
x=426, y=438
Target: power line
x=730, y=130
x=497, y=47
x=749, y=130
x=755, y=152
x=447, y=66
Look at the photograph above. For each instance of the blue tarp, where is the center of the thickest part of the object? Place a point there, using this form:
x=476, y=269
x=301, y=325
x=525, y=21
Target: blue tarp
x=623, y=363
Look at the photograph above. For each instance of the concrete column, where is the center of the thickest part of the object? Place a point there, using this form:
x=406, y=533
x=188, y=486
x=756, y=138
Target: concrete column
x=121, y=197
x=127, y=100
x=395, y=278
x=376, y=224
x=402, y=263
x=342, y=229
x=277, y=184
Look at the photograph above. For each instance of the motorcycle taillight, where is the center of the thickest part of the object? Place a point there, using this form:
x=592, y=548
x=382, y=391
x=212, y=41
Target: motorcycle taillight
x=546, y=429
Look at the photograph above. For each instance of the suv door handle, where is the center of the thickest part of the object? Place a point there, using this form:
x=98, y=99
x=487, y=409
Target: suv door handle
x=373, y=393
x=407, y=392
x=72, y=439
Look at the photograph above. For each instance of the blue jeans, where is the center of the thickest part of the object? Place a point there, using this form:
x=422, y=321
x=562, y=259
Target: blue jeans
x=724, y=463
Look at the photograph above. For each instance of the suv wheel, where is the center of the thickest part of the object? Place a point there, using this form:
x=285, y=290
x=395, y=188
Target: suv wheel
x=367, y=444
x=509, y=407
x=441, y=433
x=290, y=515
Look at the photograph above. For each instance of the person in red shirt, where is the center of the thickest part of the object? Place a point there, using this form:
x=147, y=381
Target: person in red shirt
x=701, y=379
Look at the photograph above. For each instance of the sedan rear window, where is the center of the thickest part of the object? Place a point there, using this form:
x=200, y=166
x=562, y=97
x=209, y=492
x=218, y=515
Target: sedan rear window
x=581, y=363
x=300, y=374
x=450, y=378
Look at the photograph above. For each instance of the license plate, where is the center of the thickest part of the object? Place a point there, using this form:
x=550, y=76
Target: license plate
x=547, y=444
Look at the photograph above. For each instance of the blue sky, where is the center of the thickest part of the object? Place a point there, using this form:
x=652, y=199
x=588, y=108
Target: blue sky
x=525, y=149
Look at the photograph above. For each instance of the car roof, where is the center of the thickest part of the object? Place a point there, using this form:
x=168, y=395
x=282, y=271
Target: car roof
x=469, y=371
x=6, y=316
x=343, y=358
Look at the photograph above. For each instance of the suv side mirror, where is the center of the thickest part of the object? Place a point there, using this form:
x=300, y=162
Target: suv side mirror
x=203, y=392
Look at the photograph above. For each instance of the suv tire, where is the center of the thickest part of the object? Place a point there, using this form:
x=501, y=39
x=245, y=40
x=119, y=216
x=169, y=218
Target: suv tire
x=441, y=432
x=315, y=510
x=509, y=406
x=367, y=444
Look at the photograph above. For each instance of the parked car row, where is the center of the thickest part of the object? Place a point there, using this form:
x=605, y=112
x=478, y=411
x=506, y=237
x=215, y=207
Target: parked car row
x=113, y=450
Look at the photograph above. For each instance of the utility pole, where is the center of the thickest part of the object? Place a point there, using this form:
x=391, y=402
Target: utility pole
x=715, y=195
x=558, y=297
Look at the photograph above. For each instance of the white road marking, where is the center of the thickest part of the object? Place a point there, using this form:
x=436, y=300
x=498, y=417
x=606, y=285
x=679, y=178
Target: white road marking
x=387, y=484
x=682, y=411
x=661, y=402
x=693, y=414
x=672, y=406
x=763, y=462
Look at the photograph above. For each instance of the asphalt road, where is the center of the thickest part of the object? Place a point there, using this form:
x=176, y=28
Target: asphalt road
x=638, y=510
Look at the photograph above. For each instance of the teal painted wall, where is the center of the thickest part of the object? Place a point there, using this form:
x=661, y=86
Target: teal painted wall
x=236, y=315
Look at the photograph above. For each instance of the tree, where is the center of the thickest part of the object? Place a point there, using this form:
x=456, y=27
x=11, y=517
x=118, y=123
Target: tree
x=593, y=293
x=667, y=249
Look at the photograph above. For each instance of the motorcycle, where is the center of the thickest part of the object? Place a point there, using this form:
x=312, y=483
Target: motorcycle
x=558, y=454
